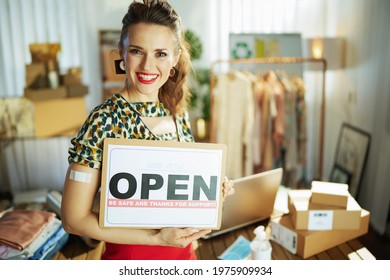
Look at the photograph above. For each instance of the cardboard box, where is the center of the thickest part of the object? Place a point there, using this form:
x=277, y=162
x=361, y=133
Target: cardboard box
x=72, y=77
x=328, y=193
x=58, y=117
x=45, y=93
x=71, y=80
x=77, y=90
x=309, y=216
x=108, y=57
x=306, y=243
x=36, y=75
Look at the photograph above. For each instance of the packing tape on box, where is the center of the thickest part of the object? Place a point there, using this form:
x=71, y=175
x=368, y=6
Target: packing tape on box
x=80, y=176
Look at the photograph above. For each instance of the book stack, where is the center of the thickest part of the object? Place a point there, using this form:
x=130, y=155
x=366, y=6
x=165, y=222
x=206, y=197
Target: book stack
x=319, y=218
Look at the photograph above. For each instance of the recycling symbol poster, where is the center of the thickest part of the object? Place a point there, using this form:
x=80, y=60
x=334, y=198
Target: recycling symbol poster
x=265, y=45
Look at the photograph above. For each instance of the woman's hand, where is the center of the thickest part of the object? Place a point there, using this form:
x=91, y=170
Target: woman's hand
x=180, y=237
x=227, y=188
x=183, y=237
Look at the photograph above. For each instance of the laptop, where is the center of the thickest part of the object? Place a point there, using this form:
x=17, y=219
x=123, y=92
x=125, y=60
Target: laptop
x=253, y=201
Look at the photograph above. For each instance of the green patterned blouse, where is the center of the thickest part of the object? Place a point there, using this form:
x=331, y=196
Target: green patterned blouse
x=117, y=118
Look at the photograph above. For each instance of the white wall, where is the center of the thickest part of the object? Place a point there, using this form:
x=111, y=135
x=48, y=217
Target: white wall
x=365, y=78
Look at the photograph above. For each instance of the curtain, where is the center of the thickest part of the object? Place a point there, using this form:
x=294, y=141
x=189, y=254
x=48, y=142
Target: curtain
x=33, y=164
x=42, y=163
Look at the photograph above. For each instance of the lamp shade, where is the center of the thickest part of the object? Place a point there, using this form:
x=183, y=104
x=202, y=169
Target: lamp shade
x=331, y=49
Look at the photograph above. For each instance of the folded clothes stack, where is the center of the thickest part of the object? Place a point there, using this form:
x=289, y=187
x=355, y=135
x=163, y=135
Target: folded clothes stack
x=30, y=234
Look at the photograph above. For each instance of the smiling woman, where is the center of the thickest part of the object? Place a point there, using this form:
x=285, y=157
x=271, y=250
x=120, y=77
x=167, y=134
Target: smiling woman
x=149, y=57
x=152, y=106
x=153, y=47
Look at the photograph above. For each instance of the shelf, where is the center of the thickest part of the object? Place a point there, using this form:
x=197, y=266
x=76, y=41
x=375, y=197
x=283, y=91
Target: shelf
x=112, y=82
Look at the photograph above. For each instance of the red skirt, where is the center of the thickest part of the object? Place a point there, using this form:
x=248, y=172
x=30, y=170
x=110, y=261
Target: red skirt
x=146, y=252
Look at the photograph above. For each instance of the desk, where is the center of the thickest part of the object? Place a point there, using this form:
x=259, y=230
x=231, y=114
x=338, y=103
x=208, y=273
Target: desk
x=210, y=249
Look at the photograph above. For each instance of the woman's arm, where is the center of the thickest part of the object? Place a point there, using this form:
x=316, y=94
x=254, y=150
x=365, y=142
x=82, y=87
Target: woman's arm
x=79, y=219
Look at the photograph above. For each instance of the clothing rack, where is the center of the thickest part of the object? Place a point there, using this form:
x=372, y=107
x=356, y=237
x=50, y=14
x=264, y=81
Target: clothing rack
x=274, y=60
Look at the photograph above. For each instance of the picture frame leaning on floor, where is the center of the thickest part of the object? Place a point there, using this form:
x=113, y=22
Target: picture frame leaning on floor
x=351, y=157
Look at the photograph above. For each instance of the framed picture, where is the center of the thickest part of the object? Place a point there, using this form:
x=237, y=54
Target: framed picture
x=351, y=155
x=340, y=175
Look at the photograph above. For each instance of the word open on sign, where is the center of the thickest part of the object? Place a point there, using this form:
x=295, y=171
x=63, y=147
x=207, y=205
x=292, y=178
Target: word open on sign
x=180, y=187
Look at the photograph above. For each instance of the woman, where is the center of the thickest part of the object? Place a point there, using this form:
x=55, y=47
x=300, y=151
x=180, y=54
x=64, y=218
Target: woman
x=151, y=105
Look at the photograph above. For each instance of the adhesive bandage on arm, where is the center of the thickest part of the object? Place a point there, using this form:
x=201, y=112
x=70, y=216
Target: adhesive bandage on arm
x=78, y=176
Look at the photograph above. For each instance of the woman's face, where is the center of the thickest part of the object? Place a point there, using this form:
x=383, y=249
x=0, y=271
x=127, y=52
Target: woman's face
x=149, y=56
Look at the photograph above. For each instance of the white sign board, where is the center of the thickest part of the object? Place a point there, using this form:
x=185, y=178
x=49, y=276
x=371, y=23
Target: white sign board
x=156, y=184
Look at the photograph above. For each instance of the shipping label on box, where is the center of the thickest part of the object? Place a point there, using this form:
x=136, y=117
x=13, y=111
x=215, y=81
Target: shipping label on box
x=320, y=220
x=156, y=184
x=284, y=236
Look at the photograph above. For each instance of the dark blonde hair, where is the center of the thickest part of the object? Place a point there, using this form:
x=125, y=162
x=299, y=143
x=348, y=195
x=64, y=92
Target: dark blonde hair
x=174, y=95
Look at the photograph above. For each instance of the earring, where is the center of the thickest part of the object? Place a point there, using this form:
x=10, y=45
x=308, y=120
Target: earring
x=120, y=66
x=173, y=74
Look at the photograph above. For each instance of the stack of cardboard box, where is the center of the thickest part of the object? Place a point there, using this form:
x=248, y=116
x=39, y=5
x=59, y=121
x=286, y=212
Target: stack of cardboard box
x=319, y=218
x=58, y=101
